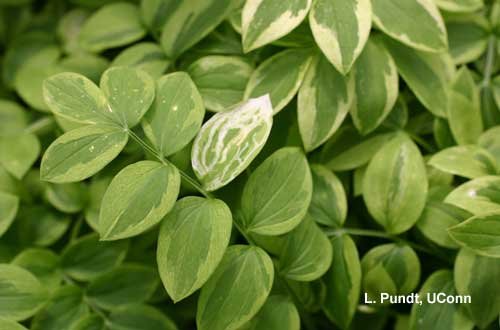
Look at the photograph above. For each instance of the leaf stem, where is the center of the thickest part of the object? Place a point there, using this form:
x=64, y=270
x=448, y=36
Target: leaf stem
x=162, y=159
x=242, y=232
x=489, y=62
x=424, y=144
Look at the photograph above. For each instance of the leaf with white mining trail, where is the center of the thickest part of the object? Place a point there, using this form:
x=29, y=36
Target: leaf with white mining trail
x=176, y=115
x=80, y=153
x=138, y=198
x=377, y=86
x=230, y=140
x=264, y=21
x=341, y=29
x=280, y=76
x=324, y=100
x=416, y=23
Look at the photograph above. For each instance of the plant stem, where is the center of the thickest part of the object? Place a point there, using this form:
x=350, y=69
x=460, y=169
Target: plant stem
x=162, y=159
x=424, y=144
x=242, y=232
x=489, y=62
x=379, y=234
x=41, y=125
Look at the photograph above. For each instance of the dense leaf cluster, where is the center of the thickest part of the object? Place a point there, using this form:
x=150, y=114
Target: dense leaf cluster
x=249, y=164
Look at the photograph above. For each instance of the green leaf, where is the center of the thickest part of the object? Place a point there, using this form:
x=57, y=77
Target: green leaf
x=124, y=285
x=280, y=76
x=377, y=82
x=69, y=28
x=237, y=290
x=347, y=150
x=146, y=56
x=139, y=317
x=324, y=100
x=137, y=199
x=39, y=225
x=306, y=254
x=478, y=196
x=417, y=24
x=460, y=6
x=464, y=109
x=277, y=194
x=395, y=185
x=480, y=234
x=206, y=223
x=89, y=322
x=490, y=140
x=436, y=316
x=177, y=114
x=329, y=201
x=185, y=23
x=6, y=324
x=113, y=25
x=87, y=257
x=9, y=204
x=343, y=282
x=221, y=80
x=31, y=74
x=21, y=293
x=398, y=116
x=13, y=118
x=478, y=276
x=264, y=21
x=42, y=263
x=81, y=153
x=68, y=197
x=390, y=268
x=437, y=217
x=467, y=36
x=341, y=29
x=74, y=97
x=468, y=161
x=279, y=312
x=427, y=75
x=17, y=161
x=65, y=307
x=90, y=65
x=230, y=140
x=130, y=92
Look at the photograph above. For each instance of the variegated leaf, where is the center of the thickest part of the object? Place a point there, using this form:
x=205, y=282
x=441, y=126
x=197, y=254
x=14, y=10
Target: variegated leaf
x=280, y=76
x=113, y=25
x=480, y=234
x=460, y=6
x=324, y=100
x=176, y=115
x=341, y=29
x=147, y=56
x=237, y=289
x=416, y=23
x=467, y=37
x=464, y=109
x=264, y=21
x=427, y=75
x=478, y=196
x=9, y=204
x=468, y=161
x=187, y=22
x=395, y=185
x=221, y=80
x=138, y=198
x=377, y=86
x=229, y=141
x=80, y=153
